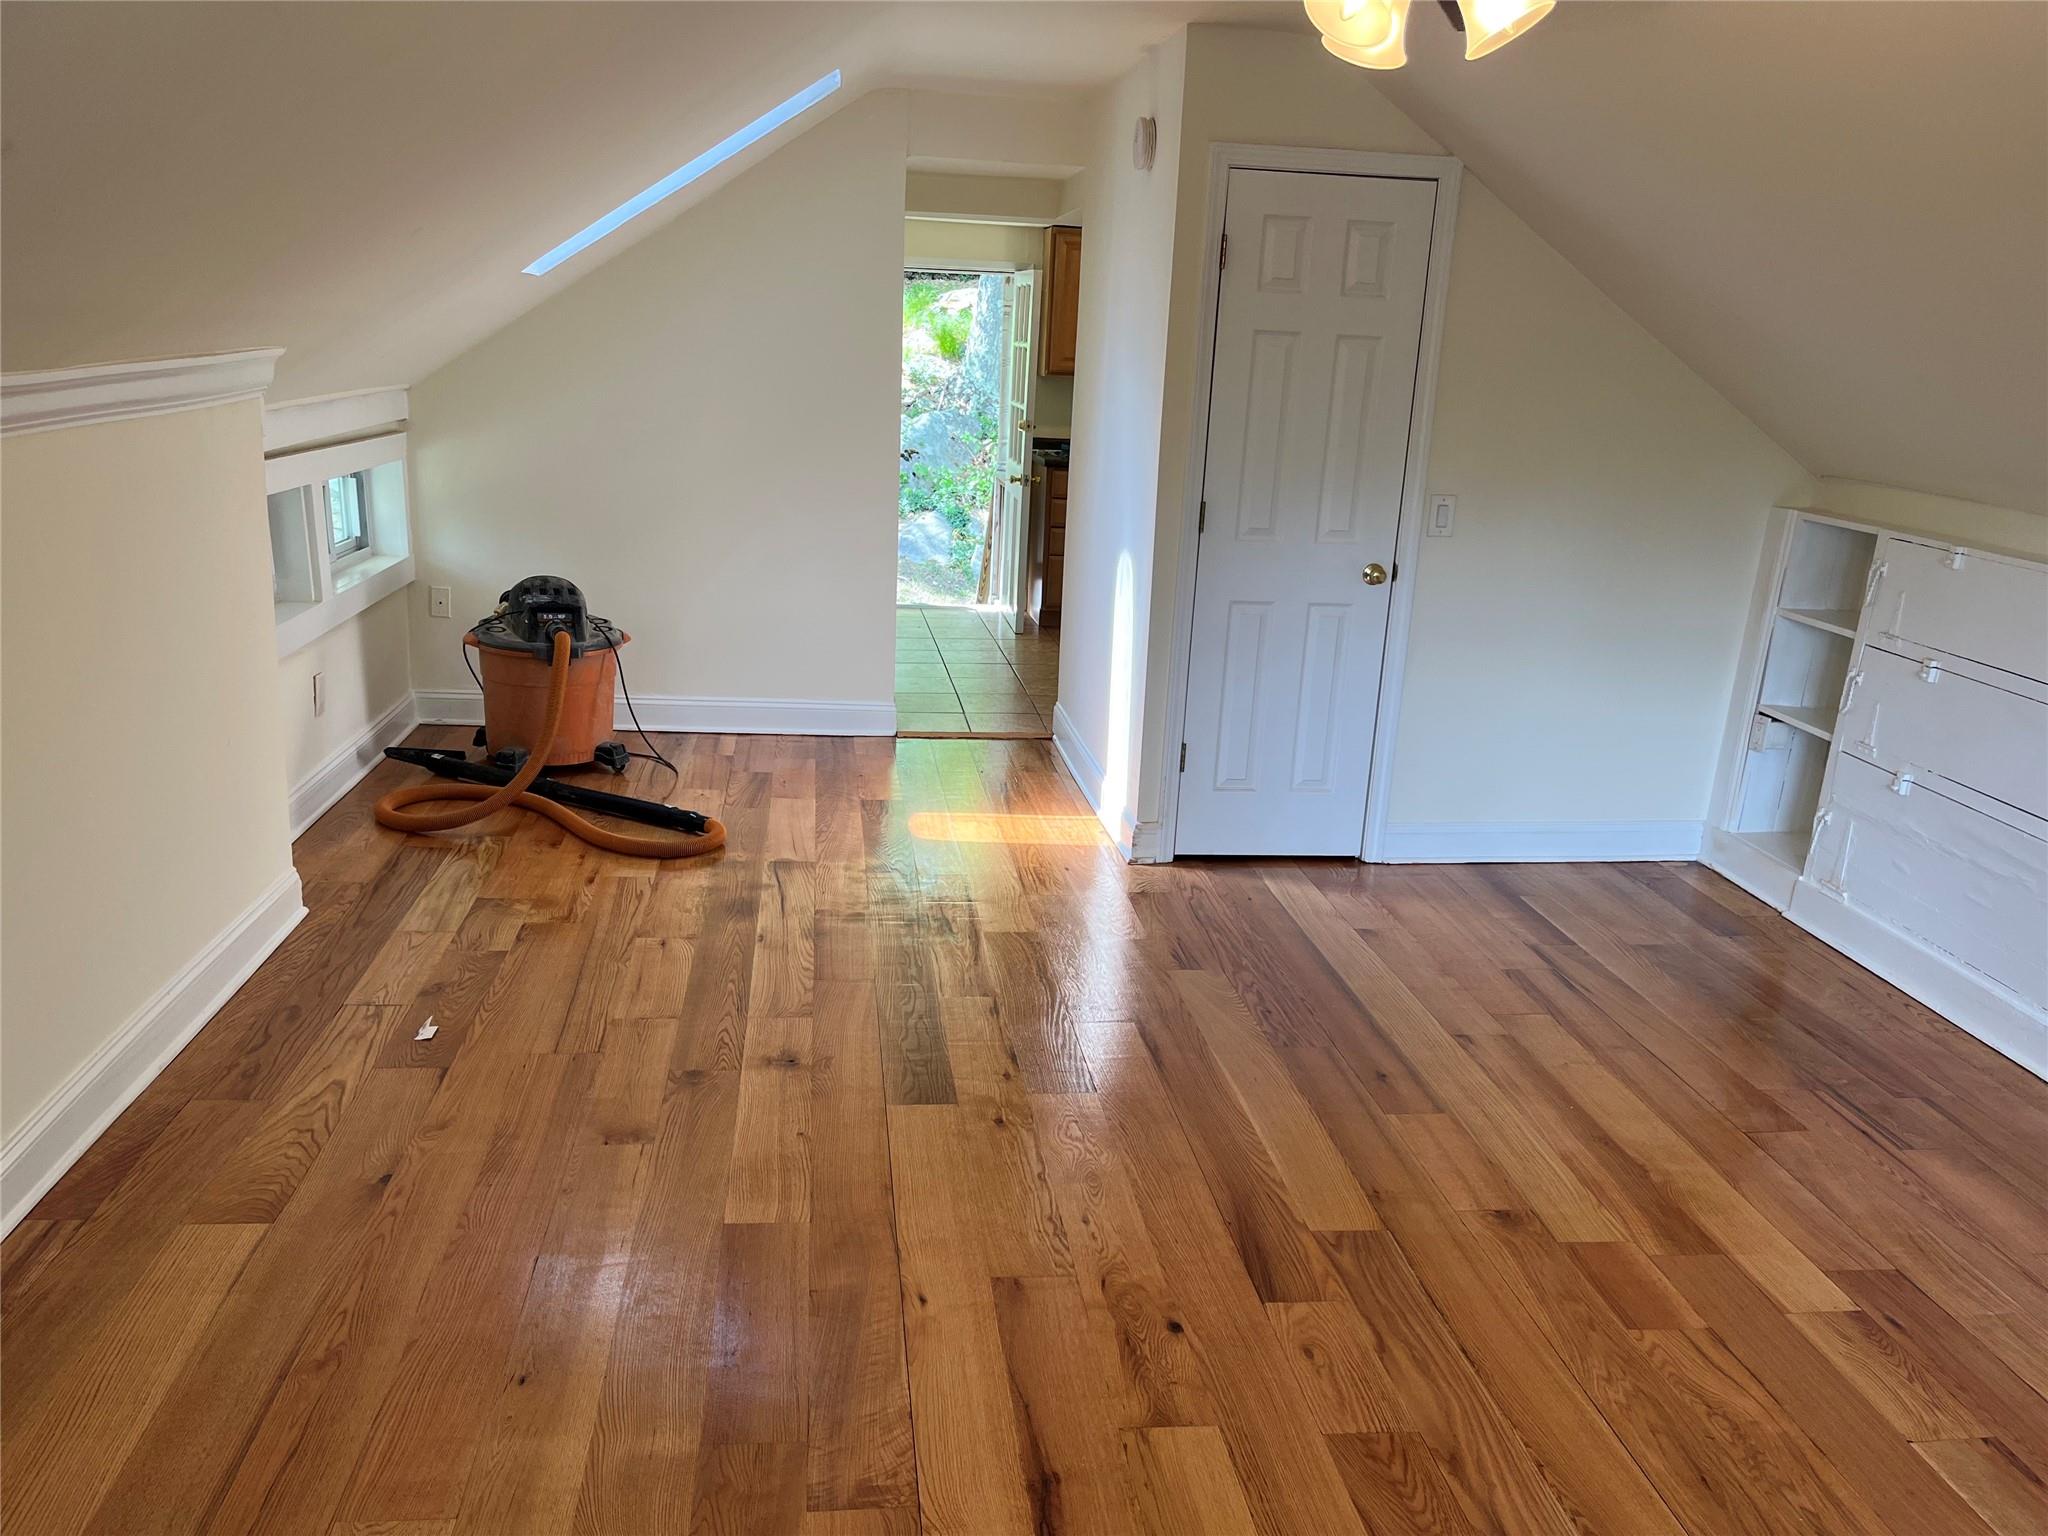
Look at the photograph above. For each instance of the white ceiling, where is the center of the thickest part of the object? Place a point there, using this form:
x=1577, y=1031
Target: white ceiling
x=1836, y=213
x=361, y=183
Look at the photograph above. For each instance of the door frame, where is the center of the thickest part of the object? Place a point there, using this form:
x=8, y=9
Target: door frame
x=1445, y=171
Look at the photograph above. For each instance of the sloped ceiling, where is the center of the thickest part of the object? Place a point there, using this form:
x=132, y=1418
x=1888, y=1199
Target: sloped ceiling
x=361, y=183
x=1837, y=214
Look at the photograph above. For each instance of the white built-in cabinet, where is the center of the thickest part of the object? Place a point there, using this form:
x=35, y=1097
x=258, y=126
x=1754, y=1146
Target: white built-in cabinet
x=1885, y=783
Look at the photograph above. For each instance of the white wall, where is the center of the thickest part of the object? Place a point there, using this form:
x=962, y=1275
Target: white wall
x=366, y=670
x=702, y=433
x=1113, y=489
x=1573, y=645
x=144, y=806
x=2000, y=528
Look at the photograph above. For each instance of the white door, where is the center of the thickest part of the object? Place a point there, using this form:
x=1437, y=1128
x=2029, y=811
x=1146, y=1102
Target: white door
x=1318, y=329
x=1020, y=389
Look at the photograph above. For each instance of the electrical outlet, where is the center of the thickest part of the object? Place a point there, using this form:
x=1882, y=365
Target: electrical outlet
x=439, y=603
x=319, y=693
x=1443, y=510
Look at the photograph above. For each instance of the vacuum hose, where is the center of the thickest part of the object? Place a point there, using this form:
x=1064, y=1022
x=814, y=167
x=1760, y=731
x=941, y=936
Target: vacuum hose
x=392, y=810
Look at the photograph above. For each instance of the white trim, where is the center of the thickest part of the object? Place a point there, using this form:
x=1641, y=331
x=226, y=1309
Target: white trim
x=1764, y=877
x=1971, y=1002
x=77, y=397
x=1446, y=171
x=1093, y=783
x=1539, y=842
x=714, y=716
x=106, y=1083
x=316, y=466
x=324, y=418
x=350, y=763
x=370, y=581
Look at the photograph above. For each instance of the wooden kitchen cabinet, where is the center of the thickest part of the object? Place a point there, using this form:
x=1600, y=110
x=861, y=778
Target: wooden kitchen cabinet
x=1062, y=300
x=1049, y=548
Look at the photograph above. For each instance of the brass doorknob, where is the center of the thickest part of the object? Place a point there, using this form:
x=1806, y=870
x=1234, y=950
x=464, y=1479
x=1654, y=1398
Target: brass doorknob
x=1025, y=479
x=1375, y=574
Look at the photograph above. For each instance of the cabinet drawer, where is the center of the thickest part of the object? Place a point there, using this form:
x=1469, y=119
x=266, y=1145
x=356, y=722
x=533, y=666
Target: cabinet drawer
x=1988, y=609
x=1959, y=881
x=1902, y=714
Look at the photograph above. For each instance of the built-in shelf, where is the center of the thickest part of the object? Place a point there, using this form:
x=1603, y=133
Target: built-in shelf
x=1788, y=848
x=1836, y=621
x=1801, y=717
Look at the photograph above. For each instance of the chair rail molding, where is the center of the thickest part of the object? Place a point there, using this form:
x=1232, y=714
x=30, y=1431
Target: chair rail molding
x=102, y=392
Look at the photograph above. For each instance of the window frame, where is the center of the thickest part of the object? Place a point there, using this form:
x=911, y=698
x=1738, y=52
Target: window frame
x=364, y=541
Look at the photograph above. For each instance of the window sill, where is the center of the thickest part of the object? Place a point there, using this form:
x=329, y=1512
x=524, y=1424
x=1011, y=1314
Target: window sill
x=357, y=586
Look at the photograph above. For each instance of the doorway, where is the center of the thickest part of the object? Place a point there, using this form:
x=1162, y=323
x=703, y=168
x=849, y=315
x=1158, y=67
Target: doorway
x=1313, y=394
x=969, y=662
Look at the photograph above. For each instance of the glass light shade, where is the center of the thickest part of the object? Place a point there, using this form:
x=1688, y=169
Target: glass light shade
x=1369, y=33
x=1489, y=23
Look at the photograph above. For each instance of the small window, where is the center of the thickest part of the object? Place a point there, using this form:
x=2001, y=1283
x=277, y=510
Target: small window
x=348, y=514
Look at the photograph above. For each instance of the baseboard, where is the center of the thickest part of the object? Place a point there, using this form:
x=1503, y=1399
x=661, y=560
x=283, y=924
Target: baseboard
x=343, y=771
x=1973, y=1003
x=52, y=1139
x=1539, y=842
x=1749, y=867
x=710, y=716
x=1089, y=778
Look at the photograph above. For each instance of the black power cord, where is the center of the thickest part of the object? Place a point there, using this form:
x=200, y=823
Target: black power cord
x=653, y=753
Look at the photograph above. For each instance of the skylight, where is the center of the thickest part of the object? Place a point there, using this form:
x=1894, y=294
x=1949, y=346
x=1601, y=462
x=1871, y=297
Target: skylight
x=683, y=175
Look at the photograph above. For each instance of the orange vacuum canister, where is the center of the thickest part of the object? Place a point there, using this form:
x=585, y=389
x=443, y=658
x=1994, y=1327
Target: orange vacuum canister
x=515, y=645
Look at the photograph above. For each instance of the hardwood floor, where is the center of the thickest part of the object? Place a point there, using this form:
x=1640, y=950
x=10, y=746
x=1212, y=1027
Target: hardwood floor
x=917, y=1166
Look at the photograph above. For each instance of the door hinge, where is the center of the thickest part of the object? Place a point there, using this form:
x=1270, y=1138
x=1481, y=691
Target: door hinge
x=1223, y=251
x=1202, y=519
x=1183, y=757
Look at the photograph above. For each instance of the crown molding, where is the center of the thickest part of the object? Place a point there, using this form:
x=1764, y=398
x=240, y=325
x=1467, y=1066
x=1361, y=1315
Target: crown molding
x=76, y=397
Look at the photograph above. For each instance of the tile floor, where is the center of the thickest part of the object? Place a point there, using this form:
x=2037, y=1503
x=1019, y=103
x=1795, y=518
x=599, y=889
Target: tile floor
x=963, y=673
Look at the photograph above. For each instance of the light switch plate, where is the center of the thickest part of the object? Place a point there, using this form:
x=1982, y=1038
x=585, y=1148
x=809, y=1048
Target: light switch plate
x=1443, y=510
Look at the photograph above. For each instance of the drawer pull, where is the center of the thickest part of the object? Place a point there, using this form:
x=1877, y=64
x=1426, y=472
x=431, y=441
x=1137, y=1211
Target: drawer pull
x=1902, y=782
x=1930, y=670
x=1956, y=557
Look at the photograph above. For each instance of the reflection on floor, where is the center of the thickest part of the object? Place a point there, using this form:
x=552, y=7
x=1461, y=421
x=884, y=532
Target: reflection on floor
x=960, y=672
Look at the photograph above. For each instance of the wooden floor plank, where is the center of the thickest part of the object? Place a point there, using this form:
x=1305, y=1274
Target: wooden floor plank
x=916, y=1165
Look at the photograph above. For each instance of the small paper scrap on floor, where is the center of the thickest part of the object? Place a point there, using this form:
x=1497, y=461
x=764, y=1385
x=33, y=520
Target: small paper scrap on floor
x=427, y=1029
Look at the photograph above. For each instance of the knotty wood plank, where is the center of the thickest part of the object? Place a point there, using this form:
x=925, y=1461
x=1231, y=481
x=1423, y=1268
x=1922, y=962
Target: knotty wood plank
x=185, y=1458
x=770, y=1176
x=967, y=1451
x=860, y=1433
x=1906, y=1493
x=1180, y=1482
x=62, y=1456
x=1062, y=1393
x=528, y=1471
x=640, y=1471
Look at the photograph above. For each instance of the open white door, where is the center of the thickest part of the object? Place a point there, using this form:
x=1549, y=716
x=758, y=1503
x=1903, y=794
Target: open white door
x=1020, y=393
x=1318, y=331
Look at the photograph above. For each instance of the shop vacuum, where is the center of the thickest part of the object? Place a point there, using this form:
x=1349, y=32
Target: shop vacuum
x=549, y=666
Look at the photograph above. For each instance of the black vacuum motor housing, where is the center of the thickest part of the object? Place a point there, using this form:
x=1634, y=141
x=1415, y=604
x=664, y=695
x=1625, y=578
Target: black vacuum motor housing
x=532, y=611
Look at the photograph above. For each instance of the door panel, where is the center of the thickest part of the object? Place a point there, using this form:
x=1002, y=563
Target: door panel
x=1319, y=325
x=1020, y=391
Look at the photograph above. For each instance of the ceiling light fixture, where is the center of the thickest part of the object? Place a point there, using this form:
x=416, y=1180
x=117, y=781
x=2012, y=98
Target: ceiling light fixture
x=1373, y=33
x=683, y=175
